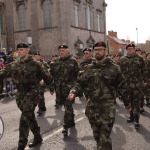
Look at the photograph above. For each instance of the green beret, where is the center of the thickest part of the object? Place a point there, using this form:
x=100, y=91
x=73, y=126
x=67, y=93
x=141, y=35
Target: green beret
x=98, y=44
x=22, y=45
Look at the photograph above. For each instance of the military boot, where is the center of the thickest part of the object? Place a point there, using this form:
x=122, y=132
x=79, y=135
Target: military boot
x=65, y=131
x=21, y=147
x=131, y=118
x=37, y=140
x=136, y=122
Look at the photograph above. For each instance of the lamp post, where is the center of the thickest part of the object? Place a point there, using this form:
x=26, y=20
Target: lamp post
x=137, y=35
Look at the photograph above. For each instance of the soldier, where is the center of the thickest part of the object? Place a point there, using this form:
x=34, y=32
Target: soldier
x=102, y=77
x=135, y=72
x=57, y=100
x=42, y=85
x=27, y=74
x=83, y=65
x=65, y=70
x=139, y=52
x=147, y=88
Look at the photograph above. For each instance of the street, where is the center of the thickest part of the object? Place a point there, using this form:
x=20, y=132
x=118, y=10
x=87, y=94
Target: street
x=124, y=136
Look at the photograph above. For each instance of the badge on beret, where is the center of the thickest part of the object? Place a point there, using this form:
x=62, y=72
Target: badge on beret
x=87, y=49
x=63, y=46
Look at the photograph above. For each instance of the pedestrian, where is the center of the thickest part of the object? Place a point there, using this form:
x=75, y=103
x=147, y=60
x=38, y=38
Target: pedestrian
x=42, y=85
x=102, y=78
x=65, y=70
x=135, y=72
x=26, y=74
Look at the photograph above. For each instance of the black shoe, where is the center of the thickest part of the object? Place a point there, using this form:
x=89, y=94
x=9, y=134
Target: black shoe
x=142, y=110
x=130, y=120
x=56, y=106
x=71, y=125
x=35, y=142
x=21, y=147
x=136, y=125
x=65, y=132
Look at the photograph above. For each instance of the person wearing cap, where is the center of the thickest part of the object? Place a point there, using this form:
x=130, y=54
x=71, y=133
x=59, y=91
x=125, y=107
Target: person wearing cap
x=134, y=70
x=87, y=59
x=65, y=69
x=42, y=85
x=147, y=88
x=138, y=51
x=101, y=78
x=26, y=74
x=52, y=66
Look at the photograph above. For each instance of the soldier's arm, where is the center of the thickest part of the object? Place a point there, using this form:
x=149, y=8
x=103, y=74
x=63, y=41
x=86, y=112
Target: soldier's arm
x=122, y=89
x=46, y=76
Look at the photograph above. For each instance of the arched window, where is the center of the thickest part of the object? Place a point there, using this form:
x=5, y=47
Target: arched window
x=47, y=13
x=21, y=17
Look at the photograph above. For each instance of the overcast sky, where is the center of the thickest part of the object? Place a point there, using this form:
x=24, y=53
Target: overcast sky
x=124, y=16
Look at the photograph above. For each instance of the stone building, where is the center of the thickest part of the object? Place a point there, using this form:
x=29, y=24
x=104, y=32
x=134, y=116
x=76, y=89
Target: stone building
x=45, y=24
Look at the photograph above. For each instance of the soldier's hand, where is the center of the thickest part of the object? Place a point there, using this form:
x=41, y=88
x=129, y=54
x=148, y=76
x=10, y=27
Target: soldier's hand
x=128, y=110
x=71, y=96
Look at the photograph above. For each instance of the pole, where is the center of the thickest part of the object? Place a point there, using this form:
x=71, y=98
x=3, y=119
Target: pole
x=137, y=35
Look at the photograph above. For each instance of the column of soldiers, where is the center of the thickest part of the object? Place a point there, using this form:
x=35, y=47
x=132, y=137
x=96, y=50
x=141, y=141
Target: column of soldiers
x=100, y=78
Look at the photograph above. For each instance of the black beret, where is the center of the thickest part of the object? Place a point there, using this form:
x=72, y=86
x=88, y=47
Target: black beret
x=138, y=49
x=130, y=45
x=22, y=45
x=37, y=53
x=63, y=46
x=98, y=44
x=87, y=49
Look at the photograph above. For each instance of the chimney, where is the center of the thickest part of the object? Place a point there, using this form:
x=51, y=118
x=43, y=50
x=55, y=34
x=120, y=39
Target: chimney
x=112, y=33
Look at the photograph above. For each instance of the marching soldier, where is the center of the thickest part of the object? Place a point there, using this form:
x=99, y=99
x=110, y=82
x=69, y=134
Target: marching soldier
x=102, y=78
x=135, y=72
x=66, y=70
x=27, y=74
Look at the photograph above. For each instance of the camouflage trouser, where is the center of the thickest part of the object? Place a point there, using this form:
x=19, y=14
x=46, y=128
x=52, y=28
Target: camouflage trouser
x=102, y=135
x=135, y=98
x=41, y=103
x=27, y=102
x=68, y=114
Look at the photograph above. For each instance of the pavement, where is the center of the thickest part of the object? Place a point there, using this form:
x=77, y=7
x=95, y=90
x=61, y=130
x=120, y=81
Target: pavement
x=124, y=136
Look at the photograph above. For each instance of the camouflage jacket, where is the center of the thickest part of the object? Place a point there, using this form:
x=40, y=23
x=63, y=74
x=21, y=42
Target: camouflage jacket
x=27, y=74
x=85, y=63
x=102, y=80
x=64, y=71
x=134, y=70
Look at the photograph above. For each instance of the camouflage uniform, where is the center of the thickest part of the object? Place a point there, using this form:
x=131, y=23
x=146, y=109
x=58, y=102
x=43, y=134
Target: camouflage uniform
x=83, y=65
x=102, y=80
x=41, y=103
x=26, y=75
x=147, y=88
x=65, y=71
x=135, y=72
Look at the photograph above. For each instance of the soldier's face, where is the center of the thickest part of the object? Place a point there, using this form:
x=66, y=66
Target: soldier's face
x=139, y=53
x=87, y=55
x=23, y=52
x=148, y=57
x=37, y=57
x=63, y=52
x=99, y=52
x=130, y=50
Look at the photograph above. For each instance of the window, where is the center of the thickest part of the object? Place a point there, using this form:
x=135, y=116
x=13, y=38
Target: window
x=92, y=20
x=99, y=22
x=21, y=17
x=47, y=13
x=88, y=18
x=76, y=13
x=1, y=19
